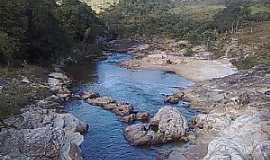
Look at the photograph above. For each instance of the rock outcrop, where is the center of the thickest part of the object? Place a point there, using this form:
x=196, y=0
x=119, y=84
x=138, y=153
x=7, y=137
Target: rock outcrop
x=43, y=130
x=58, y=83
x=167, y=125
x=234, y=121
x=244, y=139
x=40, y=133
x=176, y=98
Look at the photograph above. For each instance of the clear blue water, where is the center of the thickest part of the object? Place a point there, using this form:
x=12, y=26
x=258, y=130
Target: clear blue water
x=144, y=89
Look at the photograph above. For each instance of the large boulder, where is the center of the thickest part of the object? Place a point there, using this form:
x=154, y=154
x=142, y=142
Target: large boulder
x=244, y=139
x=171, y=123
x=40, y=133
x=58, y=83
x=167, y=125
x=41, y=143
x=140, y=134
x=175, y=98
x=70, y=123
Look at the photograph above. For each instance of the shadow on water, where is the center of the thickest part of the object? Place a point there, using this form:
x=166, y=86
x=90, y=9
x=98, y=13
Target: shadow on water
x=144, y=89
x=82, y=72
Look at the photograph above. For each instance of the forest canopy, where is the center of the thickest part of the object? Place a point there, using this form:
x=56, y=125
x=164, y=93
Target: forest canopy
x=43, y=30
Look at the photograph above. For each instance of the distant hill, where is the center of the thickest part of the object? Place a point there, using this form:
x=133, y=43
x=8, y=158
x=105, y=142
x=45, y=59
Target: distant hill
x=99, y=5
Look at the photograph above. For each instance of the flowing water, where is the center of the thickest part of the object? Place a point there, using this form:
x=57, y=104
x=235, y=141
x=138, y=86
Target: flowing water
x=144, y=89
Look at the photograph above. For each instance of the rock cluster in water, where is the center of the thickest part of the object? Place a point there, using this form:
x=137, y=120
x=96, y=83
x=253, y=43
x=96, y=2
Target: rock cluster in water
x=124, y=110
x=167, y=125
x=176, y=98
x=43, y=130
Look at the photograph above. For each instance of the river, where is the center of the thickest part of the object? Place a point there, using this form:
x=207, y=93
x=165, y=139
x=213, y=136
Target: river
x=144, y=89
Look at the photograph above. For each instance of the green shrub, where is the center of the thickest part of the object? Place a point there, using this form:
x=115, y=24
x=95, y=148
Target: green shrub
x=189, y=52
x=252, y=61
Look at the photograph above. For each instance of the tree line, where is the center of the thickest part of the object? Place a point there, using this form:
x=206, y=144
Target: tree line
x=42, y=31
x=131, y=18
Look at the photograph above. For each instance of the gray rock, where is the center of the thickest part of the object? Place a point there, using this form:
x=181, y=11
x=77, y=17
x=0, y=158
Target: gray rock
x=139, y=134
x=58, y=75
x=262, y=151
x=243, y=139
x=25, y=80
x=124, y=110
x=85, y=95
x=58, y=83
x=167, y=125
x=143, y=116
x=41, y=134
x=41, y=131
x=41, y=143
x=82, y=128
x=176, y=98
x=129, y=118
x=100, y=101
x=171, y=123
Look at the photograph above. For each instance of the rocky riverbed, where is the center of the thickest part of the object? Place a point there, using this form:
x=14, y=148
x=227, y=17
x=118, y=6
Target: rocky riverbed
x=235, y=123
x=43, y=130
x=234, y=120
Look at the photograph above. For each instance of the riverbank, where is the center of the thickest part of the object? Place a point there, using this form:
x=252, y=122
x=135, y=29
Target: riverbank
x=234, y=120
x=34, y=124
x=195, y=63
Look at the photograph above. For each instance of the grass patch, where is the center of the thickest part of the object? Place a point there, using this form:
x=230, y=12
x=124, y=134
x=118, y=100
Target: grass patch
x=199, y=12
x=14, y=94
x=252, y=61
x=189, y=52
x=257, y=43
x=259, y=8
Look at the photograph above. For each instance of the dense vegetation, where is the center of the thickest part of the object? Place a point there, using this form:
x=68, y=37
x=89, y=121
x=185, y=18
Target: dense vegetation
x=198, y=23
x=43, y=30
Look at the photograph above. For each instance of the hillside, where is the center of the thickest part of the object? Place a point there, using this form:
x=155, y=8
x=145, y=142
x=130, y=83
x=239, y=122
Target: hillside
x=211, y=23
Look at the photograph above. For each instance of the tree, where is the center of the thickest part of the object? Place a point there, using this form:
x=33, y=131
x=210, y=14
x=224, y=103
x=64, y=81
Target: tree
x=39, y=31
x=8, y=47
